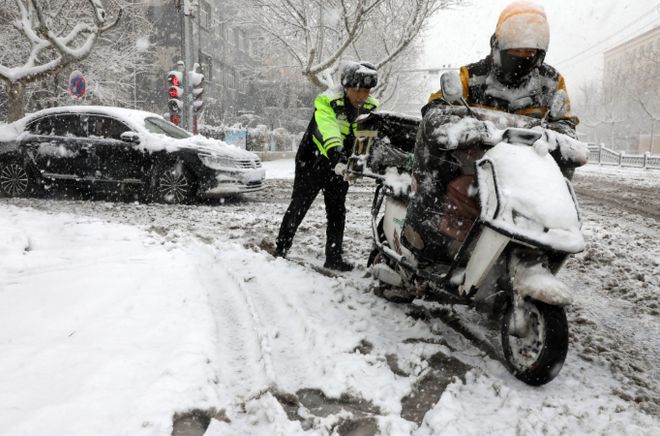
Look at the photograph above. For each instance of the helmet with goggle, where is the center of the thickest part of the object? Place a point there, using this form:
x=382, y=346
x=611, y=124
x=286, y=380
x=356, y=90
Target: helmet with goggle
x=520, y=41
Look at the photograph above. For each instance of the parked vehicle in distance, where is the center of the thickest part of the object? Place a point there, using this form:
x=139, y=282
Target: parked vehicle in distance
x=120, y=150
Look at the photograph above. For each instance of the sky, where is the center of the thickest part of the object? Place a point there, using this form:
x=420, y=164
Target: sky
x=580, y=30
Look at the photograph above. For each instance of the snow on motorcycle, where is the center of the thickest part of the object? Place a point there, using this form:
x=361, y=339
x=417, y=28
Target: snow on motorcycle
x=524, y=225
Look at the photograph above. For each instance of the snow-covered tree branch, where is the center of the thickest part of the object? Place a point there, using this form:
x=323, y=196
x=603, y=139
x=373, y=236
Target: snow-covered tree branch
x=318, y=34
x=50, y=42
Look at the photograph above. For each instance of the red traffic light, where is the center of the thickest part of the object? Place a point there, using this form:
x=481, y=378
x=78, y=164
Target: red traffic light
x=175, y=119
x=174, y=92
x=174, y=78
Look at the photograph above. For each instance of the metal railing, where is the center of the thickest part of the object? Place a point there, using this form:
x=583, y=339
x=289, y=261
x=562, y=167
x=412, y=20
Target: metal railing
x=601, y=155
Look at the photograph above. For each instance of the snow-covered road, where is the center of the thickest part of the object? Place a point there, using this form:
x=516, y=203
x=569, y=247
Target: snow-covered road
x=116, y=316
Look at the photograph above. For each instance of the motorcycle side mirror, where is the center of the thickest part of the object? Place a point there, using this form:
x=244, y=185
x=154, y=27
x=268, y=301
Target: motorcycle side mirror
x=558, y=105
x=130, y=137
x=452, y=88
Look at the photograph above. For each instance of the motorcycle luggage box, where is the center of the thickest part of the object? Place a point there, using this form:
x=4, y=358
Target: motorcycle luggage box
x=401, y=130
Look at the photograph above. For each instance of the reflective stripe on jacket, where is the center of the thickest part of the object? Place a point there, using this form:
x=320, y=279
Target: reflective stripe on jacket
x=334, y=120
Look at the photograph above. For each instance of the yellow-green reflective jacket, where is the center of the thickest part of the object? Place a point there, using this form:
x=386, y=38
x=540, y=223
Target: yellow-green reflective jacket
x=333, y=124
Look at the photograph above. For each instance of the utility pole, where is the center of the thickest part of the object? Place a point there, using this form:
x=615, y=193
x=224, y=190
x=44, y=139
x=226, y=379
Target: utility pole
x=186, y=9
x=134, y=68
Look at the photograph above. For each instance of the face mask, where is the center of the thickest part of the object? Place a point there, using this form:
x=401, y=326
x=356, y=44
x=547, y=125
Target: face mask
x=514, y=68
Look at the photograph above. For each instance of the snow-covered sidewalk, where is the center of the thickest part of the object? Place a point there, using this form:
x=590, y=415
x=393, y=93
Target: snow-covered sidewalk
x=104, y=329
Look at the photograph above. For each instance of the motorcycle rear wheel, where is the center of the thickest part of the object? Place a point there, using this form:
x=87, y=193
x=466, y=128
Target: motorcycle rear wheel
x=538, y=356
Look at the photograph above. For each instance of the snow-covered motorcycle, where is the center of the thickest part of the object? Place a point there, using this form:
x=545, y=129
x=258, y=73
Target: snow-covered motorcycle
x=527, y=224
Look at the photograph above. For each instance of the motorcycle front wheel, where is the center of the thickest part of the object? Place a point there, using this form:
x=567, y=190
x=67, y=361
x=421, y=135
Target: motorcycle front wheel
x=536, y=353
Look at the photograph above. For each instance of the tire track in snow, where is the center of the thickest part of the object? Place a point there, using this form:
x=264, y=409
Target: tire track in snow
x=620, y=202
x=615, y=317
x=293, y=337
x=241, y=345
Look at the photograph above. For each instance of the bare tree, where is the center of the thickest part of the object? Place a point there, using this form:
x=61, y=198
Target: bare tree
x=53, y=36
x=627, y=102
x=621, y=108
x=318, y=34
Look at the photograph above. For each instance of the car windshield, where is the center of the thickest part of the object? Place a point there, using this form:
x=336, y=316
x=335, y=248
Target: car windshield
x=157, y=125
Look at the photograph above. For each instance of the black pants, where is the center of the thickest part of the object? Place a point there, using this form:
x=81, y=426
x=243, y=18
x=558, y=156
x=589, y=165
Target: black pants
x=310, y=178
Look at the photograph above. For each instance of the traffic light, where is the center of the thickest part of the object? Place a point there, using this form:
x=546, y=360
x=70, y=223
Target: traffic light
x=175, y=93
x=197, y=82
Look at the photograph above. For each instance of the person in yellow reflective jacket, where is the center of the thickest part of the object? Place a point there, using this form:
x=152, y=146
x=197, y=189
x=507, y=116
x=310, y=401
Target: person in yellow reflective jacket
x=328, y=141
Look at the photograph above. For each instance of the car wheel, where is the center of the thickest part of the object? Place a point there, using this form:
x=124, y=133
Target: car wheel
x=173, y=184
x=16, y=179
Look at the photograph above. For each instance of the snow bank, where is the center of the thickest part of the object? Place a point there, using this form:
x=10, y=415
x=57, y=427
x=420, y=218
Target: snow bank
x=280, y=169
x=483, y=406
x=101, y=331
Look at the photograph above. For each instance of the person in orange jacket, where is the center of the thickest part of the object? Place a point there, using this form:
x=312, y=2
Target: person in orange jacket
x=513, y=78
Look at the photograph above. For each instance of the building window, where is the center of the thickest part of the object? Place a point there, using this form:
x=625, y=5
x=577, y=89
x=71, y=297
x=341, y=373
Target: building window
x=206, y=62
x=205, y=15
x=237, y=38
x=231, y=79
x=242, y=41
x=217, y=72
x=243, y=85
x=221, y=29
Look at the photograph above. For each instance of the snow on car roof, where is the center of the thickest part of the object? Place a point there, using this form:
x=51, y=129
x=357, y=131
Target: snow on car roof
x=135, y=119
x=133, y=116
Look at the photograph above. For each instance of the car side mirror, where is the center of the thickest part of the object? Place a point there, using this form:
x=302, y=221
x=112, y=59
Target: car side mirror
x=452, y=88
x=130, y=137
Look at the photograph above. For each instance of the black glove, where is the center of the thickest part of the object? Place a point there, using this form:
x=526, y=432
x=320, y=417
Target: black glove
x=336, y=155
x=563, y=126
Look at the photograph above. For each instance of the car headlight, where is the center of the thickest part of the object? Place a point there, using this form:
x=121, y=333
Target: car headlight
x=217, y=162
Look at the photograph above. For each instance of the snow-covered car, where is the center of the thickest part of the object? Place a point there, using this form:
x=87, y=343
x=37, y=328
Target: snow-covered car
x=118, y=149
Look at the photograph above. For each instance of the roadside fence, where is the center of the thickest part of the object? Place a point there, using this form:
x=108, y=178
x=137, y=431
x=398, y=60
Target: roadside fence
x=601, y=155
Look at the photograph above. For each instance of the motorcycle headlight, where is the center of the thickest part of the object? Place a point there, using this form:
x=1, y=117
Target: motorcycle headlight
x=217, y=162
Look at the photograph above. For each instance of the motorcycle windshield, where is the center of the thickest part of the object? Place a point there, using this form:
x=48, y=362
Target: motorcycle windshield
x=524, y=194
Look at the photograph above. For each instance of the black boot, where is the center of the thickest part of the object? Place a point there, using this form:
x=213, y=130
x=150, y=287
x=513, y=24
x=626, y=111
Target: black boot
x=279, y=252
x=338, y=264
